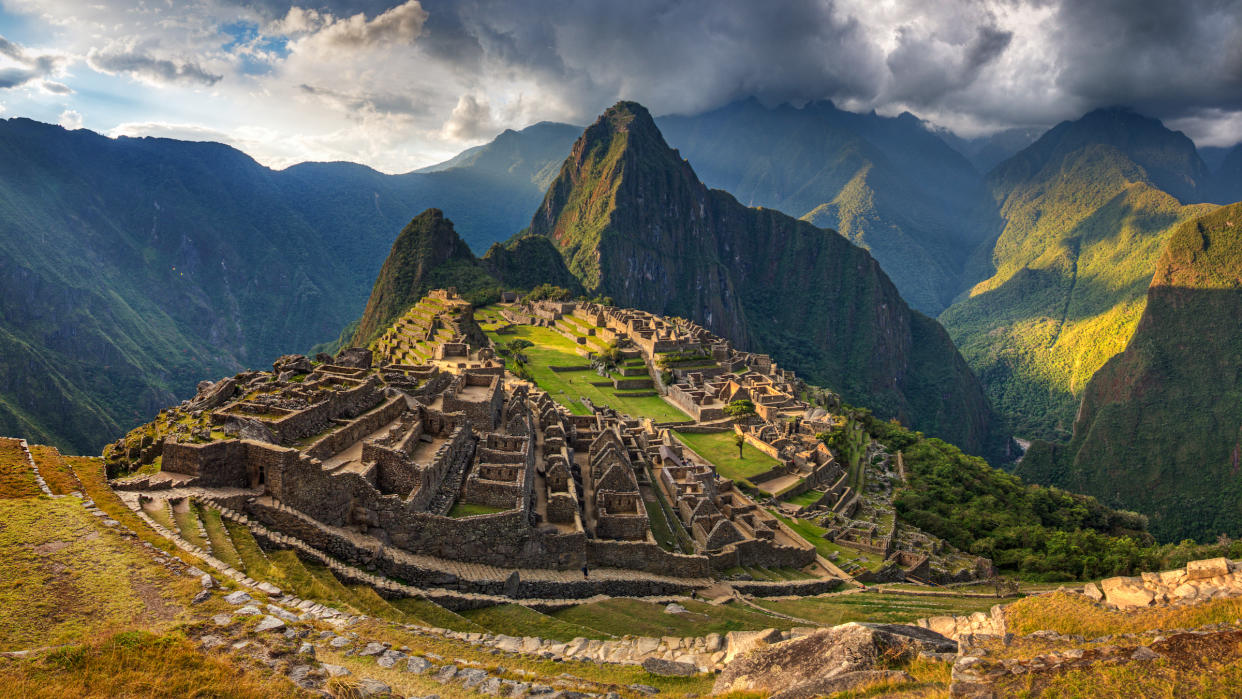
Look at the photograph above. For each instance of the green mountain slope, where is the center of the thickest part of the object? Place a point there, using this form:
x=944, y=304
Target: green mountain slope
x=633, y=222
x=133, y=268
x=1160, y=425
x=887, y=184
x=1087, y=209
x=427, y=254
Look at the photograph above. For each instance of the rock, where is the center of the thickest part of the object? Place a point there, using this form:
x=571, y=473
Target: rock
x=368, y=687
x=446, y=673
x=1092, y=592
x=1208, y=568
x=842, y=683
x=826, y=654
x=248, y=610
x=418, y=665
x=340, y=642
x=1126, y=593
x=270, y=623
x=644, y=689
x=390, y=658
x=270, y=589
x=207, y=582
x=373, y=649
x=1144, y=653
x=213, y=395
x=674, y=608
x=354, y=357
x=222, y=619
x=283, y=614
x=1186, y=591
x=336, y=670
x=306, y=649
x=471, y=676
x=211, y=641
x=490, y=686
x=202, y=596
x=294, y=363
x=739, y=642
x=238, y=598
x=669, y=668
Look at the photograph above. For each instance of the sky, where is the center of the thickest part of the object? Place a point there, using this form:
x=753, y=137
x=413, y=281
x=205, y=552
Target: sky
x=401, y=85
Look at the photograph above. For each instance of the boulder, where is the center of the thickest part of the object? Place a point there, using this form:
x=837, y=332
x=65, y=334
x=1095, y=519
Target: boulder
x=270, y=623
x=213, y=395
x=1126, y=593
x=842, y=683
x=354, y=357
x=293, y=363
x=1208, y=568
x=828, y=653
x=1092, y=592
x=368, y=687
x=739, y=642
x=669, y=668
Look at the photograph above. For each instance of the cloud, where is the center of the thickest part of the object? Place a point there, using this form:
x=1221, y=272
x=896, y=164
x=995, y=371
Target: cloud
x=471, y=119
x=324, y=32
x=23, y=67
x=70, y=119
x=142, y=65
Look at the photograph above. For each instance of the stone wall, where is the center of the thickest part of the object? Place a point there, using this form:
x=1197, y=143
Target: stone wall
x=337, y=441
x=1199, y=581
x=647, y=557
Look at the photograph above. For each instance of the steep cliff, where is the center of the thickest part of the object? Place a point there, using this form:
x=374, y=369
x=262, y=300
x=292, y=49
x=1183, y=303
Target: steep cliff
x=1160, y=425
x=634, y=222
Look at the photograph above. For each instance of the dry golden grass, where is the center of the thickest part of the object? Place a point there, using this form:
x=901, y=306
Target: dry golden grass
x=64, y=576
x=137, y=664
x=1132, y=680
x=16, y=478
x=55, y=471
x=1073, y=614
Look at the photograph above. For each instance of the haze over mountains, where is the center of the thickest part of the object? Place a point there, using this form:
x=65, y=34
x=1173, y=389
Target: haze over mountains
x=133, y=268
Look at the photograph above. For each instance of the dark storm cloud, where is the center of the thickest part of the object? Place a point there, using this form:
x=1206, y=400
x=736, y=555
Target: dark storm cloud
x=142, y=64
x=1162, y=56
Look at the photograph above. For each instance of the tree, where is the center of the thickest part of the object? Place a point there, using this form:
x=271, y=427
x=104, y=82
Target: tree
x=739, y=440
x=740, y=408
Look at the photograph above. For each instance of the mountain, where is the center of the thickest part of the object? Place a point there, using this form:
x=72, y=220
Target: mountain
x=1087, y=209
x=133, y=267
x=1160, y=425
x=987, y=152
x=1229, y=176
x=633, y=222
x=427, y=254
x=887, y=184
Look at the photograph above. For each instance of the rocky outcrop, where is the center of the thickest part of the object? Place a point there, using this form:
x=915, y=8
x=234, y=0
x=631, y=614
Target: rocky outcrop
x=1199, y=581
x=801, y=666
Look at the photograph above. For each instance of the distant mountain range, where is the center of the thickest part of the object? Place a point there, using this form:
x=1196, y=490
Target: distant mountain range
x=132, y=268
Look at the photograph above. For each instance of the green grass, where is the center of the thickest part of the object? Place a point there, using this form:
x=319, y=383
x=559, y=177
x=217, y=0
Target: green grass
x=622, y=616
x=432, y=614
x=814, y=534
x=16, y=478
x=254, y=561
x=188, y=526
x=719, y=449
x=159, y=512
x=568, y=388
x=221, y=543
x=806, y=499
x=465, y=509
x=63, y=575
x=659, y=526
x=516, y=620
x=831, y=610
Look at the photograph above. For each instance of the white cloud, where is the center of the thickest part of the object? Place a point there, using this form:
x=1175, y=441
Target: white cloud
x=70, y=119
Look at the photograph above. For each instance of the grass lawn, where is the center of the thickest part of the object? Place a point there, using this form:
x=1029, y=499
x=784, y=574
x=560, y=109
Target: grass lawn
x=806, y=499
x=516, y=620
x=865, y=606
x=16, y=478
x=815, y=535
x=465, y=509
x=622, y=616
x=719, y=449
x=568, y=388
x=54, y=470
